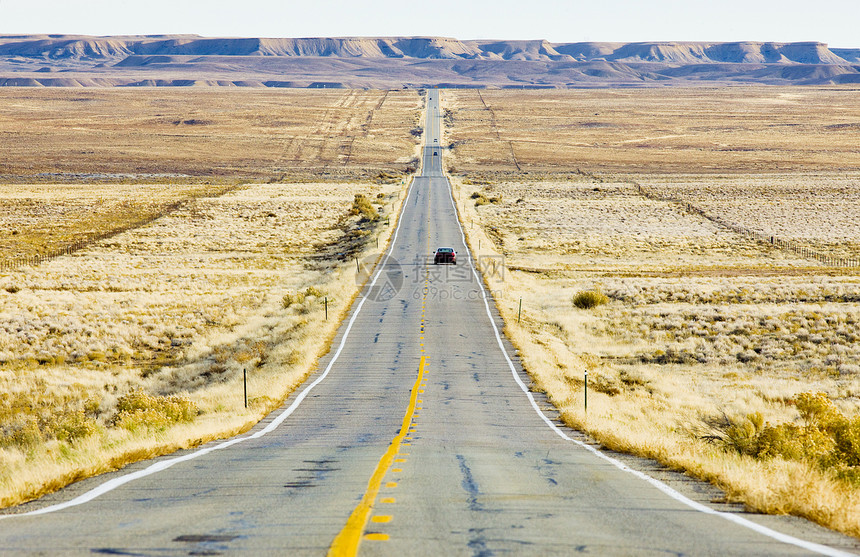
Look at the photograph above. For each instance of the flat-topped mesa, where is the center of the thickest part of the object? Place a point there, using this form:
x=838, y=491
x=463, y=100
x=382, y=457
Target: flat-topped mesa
x=852, y=55
x=58, y=47
x=391, y=62
x=744, y=52
x=519, y=50
x=63, y=47
x=84, y=47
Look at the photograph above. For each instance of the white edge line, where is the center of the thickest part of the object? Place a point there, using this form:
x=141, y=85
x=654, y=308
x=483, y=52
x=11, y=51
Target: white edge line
x=779, y=536
x=162, y=465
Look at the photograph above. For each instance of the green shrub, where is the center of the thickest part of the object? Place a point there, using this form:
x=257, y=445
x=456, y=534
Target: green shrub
x=588, y=299
x=481, y=199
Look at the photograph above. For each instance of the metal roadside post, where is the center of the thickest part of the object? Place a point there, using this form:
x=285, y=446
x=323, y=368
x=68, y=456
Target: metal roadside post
x=586, y=391
x=245, y=384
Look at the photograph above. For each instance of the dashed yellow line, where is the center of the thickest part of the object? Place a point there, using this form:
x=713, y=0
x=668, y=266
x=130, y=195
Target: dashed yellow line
x=346, y=542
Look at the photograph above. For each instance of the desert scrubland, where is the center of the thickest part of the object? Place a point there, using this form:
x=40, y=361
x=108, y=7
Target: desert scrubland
x=710, y=350
x=675, y=130
x=216, y=134
x=126, y=157
x=134, y=343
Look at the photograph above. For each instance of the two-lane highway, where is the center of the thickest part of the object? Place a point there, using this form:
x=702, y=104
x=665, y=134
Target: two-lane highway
x=416, y=437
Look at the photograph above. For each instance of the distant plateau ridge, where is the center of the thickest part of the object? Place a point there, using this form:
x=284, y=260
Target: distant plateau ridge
x=396, y=62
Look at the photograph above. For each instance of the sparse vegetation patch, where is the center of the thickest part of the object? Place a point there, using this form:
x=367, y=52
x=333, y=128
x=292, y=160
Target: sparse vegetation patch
x=588, y=299
x=137, y=344
x=825, y=437
x=362, y=206
x=157, y=135
x=652, y=130
x=715, y=352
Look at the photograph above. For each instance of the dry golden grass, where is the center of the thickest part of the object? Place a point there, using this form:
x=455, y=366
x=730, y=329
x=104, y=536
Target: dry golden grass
x=709, y=335
x=182, y=276
x=178, y=307
x=816, y=211
x=36, y=220
x=702, y=323
x=741, y=129
x=157, y=134
x=125, y=157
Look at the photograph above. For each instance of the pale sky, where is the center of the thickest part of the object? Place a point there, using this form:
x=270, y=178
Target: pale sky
x=830, y=21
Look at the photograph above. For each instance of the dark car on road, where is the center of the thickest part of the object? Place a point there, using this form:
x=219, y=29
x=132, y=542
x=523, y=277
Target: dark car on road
x=445, y=255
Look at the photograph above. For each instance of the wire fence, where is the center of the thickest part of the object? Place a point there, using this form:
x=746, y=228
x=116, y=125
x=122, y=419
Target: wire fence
x=19, y=262
x=779, y=243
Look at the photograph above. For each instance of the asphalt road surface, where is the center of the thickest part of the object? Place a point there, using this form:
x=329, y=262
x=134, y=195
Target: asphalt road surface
x=417, y=436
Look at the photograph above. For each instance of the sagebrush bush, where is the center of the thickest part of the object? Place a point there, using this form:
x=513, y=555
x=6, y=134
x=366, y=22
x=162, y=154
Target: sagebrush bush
x=74, y=426
x=313, y=291
x=293, y=298
x=299, y=297
x=142, y=420
x=138, y=410
x=481, y=199
x=588, y=299
x=825, y=437
x=361, y=205
x=24, y=433
x=28, y=420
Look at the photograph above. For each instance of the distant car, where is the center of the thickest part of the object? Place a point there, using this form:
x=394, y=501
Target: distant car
x=445, y=255
x=435, y=141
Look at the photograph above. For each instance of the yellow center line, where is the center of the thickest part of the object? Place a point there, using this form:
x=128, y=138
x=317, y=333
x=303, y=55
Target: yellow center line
x=346, y=542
